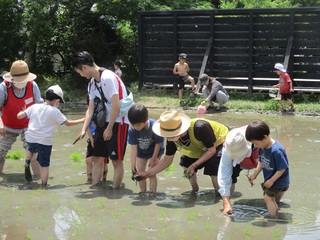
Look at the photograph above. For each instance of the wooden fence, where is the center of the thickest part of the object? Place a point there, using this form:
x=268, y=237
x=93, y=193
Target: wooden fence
x=239, y=47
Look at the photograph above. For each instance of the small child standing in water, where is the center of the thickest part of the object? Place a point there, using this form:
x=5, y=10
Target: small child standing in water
x=44, y=119
x=273, y=161
x=145, y=144
x=285, y=87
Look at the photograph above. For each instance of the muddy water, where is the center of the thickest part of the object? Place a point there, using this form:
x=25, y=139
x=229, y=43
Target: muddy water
x=70, y=209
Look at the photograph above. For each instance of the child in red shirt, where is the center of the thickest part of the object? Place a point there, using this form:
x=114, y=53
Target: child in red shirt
x=285, y=87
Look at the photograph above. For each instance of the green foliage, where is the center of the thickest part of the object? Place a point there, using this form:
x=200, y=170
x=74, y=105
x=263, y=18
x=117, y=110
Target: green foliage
x=306, y=98
x=12, y=37
x=229, y=4
x=46, y=33
x=15, y=155
x=76, y=157
x=272, y=105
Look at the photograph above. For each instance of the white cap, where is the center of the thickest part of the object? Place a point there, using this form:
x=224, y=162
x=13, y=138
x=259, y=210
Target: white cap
x=237, y=146
x=57, y=90
x=280, y=67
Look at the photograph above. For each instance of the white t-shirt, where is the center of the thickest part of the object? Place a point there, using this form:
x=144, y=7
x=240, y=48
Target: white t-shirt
x=110, y=87
x=43, y=120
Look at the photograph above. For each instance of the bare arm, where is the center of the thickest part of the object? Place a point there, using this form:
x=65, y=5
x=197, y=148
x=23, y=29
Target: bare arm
x=291, y=87
x=155, y=155
x=115, y=103
x=175, y=70
x=274, y=178
x=256, y=173
x=134, y=152
x=187, y=67
x=163, y=164
x=225, y=181
x=87, y=120
x=20, y=115
x=74, y=122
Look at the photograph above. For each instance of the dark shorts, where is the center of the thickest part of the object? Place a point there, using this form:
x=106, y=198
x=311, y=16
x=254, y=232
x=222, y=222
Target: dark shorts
x=44, y=153
x=286, y=96
x=273, y=192
x=89, y=149
x=115, y=148
x=210, y=167
x=235, y=173
x=182, y=81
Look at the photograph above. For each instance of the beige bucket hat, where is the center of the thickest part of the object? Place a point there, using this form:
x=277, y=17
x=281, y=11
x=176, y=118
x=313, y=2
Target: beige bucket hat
x=19, y=72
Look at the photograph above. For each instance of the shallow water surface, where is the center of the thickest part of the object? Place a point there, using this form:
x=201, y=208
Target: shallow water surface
x=70, y=209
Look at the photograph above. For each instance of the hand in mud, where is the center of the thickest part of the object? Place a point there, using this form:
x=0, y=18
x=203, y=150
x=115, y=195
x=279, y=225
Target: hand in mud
x=135, y=176
x=191, y=170
x=142, y=175
x=187, y=174
x=227, y=209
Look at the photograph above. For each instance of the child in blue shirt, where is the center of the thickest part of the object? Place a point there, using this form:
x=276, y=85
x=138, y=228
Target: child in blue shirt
x=273, y=161
x=145, y=144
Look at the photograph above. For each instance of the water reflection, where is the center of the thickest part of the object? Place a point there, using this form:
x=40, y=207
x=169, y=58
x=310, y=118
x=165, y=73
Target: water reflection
x=70, y=209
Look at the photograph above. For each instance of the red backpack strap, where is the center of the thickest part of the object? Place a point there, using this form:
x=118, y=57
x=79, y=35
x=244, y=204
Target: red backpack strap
x=119, y=85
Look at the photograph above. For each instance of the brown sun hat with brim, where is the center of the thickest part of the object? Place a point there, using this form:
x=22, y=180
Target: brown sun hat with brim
x=171, y=124
x=19, y=72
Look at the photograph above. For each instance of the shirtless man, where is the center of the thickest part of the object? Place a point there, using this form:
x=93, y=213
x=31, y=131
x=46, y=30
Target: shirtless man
x=181, y=69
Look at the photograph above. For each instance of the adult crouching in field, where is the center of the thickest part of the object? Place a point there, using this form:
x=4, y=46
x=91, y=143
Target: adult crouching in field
x=213, y=91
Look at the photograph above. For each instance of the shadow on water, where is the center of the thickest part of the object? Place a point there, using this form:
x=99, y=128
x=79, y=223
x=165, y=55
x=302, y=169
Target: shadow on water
x=190, y=199
x=104, y=190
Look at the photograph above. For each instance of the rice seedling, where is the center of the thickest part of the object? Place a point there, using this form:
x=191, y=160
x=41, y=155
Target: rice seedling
x=247, y=231
x=76, y=157
x=54, y=199
x=191, y=216
x=100, y=203
x=161, y=213
x=162, y=232
x=206, y=225
x=115, y=215
x=276, y=234
x=15, y=155
x=142, y=217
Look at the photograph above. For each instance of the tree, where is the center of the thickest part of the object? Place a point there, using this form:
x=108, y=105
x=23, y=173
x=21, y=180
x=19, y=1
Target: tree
x=12, y=37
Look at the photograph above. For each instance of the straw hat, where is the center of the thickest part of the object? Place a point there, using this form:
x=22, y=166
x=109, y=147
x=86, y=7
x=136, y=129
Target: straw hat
x=19, y=72
x=279, y=66
x=171, y=124
x=236, y=145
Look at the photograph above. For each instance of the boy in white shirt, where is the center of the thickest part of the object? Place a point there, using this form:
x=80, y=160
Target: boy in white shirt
x=44, y=118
